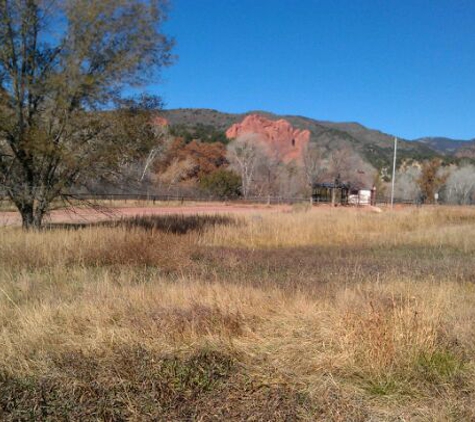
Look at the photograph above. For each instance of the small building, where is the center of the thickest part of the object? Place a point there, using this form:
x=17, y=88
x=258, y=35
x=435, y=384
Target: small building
x=361, y=197
x=339, y=193
x=335, y=193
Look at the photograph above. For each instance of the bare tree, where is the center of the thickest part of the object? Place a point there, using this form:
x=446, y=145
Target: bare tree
x=460, y=185
x=380, y=186
x=177, y=171
x=163, y=141
x=62, y=64
x=314, y=163
x=350, y=167
x=269, y=169
x=292, y=181
x=406, y=187
x=245, y=154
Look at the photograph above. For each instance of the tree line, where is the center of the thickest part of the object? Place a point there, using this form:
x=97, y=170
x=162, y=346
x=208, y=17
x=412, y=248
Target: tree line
x=68, y=121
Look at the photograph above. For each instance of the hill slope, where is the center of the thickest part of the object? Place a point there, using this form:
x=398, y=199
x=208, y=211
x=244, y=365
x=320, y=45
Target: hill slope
x=448, y=146
x=373, y=146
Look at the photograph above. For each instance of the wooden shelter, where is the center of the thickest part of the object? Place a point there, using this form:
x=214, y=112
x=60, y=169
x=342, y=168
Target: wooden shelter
x=335, y=193
x=339, y=193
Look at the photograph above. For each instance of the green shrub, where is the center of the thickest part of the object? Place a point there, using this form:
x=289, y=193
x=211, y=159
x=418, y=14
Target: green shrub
x=223, y=183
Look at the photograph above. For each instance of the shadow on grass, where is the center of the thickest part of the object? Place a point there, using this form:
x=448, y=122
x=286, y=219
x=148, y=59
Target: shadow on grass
x=175, y=223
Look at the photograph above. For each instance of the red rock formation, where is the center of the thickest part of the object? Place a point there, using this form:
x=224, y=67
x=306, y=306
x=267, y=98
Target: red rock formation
x=160, y=121
x=279, y=136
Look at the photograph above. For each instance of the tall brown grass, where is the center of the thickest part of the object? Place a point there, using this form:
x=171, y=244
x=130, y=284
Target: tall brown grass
x=340, y=227
x=323, y=315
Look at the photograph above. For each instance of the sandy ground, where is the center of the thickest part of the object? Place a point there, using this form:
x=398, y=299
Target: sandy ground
x=87, y=215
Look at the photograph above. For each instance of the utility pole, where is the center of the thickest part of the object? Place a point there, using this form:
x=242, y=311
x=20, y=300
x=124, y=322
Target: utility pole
x=393, y=179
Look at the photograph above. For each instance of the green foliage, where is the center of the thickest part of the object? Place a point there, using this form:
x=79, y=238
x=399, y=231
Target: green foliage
x=382, y=386
x=223, y=183
x=378, y=157
x=201, y=132
x=381, y=157
x=439, y=366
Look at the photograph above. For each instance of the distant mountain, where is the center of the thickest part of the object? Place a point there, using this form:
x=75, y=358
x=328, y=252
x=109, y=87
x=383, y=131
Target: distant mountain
x=456, y=147
x=375, y=147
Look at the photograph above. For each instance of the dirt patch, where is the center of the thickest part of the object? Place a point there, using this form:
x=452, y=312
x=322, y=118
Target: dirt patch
x=87, y=215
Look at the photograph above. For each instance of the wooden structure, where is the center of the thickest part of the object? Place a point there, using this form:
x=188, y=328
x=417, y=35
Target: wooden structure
x=336, y=193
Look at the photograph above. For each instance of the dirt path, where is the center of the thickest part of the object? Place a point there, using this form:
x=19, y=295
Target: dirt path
x=85, y=215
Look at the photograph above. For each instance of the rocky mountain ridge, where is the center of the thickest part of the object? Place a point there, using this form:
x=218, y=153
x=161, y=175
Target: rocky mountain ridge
x=282, y=140
x=374, y=146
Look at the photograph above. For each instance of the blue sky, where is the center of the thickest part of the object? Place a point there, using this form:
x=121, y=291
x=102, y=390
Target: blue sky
x=404, y=67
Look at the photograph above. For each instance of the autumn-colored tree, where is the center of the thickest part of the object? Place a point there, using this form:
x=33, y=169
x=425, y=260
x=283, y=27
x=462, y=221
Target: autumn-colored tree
x=201, y=158
x=169, y=156
x=431, y=180
x=207, y=157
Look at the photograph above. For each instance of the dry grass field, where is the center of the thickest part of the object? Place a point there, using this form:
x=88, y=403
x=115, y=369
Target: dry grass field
x=321, y=315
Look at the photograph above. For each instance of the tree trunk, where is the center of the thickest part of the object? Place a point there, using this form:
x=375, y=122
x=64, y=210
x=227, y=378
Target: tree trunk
x=32, y=219
x=27, y=216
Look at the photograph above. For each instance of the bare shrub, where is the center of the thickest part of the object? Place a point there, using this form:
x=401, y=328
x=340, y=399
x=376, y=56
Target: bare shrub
x=460, y=185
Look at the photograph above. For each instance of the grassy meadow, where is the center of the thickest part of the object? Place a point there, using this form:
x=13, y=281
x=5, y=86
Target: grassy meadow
x=320, y=315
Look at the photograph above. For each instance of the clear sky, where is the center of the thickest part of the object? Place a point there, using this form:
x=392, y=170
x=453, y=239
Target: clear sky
x=406, y=67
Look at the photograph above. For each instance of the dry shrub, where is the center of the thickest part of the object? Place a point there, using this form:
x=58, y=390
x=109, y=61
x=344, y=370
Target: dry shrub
x=396, y=342
x=95, y=247
x=162, y=241
x=132, y=383
x=134, y=248
x=385, y=332
x=195, y=321
x=176, y=224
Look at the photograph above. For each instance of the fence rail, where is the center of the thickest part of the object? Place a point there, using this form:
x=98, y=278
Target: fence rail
x=181, y=197
x=186, y=197
x=173, y=197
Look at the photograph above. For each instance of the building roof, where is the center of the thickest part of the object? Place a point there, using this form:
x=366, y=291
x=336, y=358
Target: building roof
x=332, y=185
